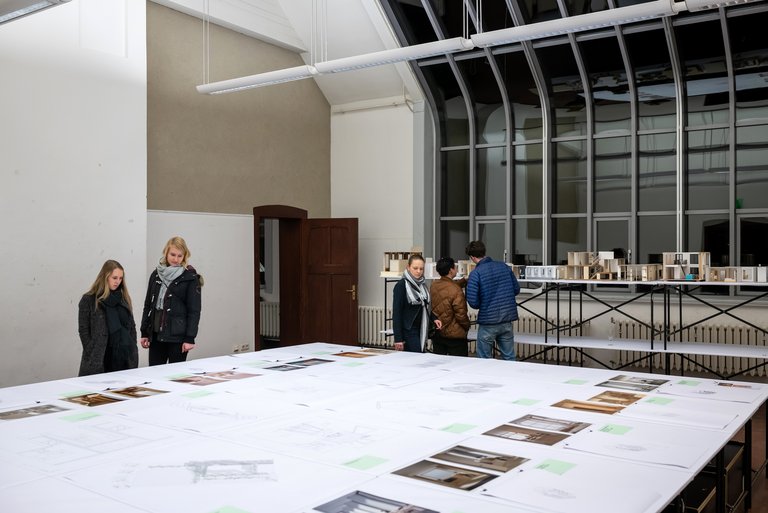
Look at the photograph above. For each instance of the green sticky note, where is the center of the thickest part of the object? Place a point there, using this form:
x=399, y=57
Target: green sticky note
x=365, y=462
x=555, y=466
x=689, y=382
x=615, y=429
x=325, y=352
x=576, y=381
x=197, y=393
x=663, y=401
x=77, y=393
x=526, y=402
x=79, y=417
x=458, y=428
x=353, y=364
x=229, y=509
x=258, y=363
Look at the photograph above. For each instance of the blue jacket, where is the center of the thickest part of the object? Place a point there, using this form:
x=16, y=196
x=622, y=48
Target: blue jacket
x=491, y=289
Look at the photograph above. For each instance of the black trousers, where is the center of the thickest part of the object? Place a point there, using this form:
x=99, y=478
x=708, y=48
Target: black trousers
x=161, y=353
x=450, y=346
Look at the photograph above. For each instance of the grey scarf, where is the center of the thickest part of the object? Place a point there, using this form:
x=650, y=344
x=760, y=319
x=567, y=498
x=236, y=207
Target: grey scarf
x=418, y=294
x=167, y=275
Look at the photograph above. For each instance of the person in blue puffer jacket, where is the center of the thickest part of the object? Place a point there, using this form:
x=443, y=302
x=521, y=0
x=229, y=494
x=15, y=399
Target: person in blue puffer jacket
x=491, y=289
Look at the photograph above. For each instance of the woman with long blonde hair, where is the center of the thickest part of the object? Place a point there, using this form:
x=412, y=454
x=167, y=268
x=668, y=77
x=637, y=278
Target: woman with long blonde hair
x=172, y=306
x=105, y=323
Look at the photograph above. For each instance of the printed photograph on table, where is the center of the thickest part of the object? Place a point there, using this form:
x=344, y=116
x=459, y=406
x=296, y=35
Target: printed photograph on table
x=376, y=350
x=32, y=411
x=522, y=434
x=352, y=354
x=228, y=375
x=361, y=502
x=613, y=397
x=571, y=404
x=137, y=392
x=94, y=399
x=284, y=367
x=550, y=424
x=635, y=383
x=473, y=457
x=445, y=475
x=198, y=380
x=309, y=362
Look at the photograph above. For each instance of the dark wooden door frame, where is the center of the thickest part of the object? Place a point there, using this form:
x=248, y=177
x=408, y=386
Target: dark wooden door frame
x=291, y=220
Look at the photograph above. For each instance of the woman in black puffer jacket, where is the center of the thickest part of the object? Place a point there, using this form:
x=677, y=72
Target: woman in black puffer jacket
x=172, y=307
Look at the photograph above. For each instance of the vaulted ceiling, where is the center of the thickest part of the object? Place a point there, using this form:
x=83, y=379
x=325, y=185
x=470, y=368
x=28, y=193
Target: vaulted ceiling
x=352, y=27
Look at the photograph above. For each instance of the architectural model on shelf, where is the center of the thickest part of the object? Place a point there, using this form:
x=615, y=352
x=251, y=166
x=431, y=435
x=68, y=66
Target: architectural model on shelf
x=685, y=266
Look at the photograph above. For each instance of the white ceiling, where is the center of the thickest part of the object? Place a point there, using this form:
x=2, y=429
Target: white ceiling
x=353, y=27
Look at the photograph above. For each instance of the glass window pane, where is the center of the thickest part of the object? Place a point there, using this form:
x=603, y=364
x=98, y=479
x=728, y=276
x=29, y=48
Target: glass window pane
x=612, y=235
x=539, y=10
x=655, y=235
x=570, y=235
x=657, y=172
x=528, y=179
x=752, y=167
x=705, y=72
x=749, y=46
x=495, y=15
x=523, y=96
x=414, y=21
x=610, y=89
x=576, y=7
x=491, y=186
x=450, y=17
x=711, y=233
x=569, y=109
x=570, y=177
x=455, y=183
x=708, y=169
x=494, y=236
x=653, y=74
x=450, y=105
x=527, y=250
x=486, y=100
x=454, y=237
x=613, y=177
x=753, y=235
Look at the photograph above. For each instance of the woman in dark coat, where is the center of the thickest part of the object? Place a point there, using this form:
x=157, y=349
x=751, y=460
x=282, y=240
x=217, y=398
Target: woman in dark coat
x=411, y=309
x=172, y=306
x=105, y=323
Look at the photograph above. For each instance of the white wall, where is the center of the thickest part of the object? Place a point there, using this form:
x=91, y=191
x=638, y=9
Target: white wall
x=222, y=252
x=72, y=173
x=372, y=178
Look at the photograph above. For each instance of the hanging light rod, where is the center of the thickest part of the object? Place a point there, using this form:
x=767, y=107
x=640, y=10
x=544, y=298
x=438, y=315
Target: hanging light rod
x=406, y=53
x=14, y=9
x=594, y=20
x=262, y=79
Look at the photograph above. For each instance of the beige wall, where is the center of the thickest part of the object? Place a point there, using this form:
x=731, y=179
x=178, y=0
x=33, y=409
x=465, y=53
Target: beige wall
x=229, y=153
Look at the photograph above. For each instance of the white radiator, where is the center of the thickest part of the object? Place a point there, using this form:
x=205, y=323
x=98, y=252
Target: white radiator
x=269, y=319
x=702, y=334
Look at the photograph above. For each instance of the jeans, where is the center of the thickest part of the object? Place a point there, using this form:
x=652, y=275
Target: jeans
x=502, y=334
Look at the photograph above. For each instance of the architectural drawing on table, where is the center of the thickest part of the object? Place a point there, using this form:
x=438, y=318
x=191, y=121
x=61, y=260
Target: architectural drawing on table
x=572, y=404
x=358, y=501
x=470, y=388
x=194, y=472
x=329, y=436
x=521, y=434
x=613, y=397
x=428, y=408
x=32, y=411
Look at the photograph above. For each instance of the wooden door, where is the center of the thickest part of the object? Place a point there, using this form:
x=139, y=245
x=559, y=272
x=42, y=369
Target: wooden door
x=330, y=308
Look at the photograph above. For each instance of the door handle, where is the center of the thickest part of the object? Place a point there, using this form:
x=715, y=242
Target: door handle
x=353, y=290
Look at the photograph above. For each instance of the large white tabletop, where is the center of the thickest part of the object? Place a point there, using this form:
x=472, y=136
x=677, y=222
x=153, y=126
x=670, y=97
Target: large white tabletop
x=328, y=428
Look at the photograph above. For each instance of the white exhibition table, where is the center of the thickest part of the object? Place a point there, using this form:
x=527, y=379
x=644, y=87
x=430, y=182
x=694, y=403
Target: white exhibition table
x=338, y=429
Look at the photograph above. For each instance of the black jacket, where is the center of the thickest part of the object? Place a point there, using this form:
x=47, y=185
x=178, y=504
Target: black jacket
x=404, y=314
x=94, y=335
x=181, y=308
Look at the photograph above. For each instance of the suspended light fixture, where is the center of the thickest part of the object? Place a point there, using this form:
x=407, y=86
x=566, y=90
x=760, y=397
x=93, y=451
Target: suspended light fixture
x=594, y=20
x=406, y=53
x=262, y=79
x=701, y=5
x=13, y=9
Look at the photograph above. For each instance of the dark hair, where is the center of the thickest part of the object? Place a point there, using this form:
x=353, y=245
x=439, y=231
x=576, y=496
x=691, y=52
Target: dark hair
x=476, y=249
x=444, y=266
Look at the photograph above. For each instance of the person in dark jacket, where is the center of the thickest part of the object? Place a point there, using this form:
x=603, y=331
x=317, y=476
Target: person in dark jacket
x=172, y=306
x=491, y=289
x=105, y=324
x=411, y=312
